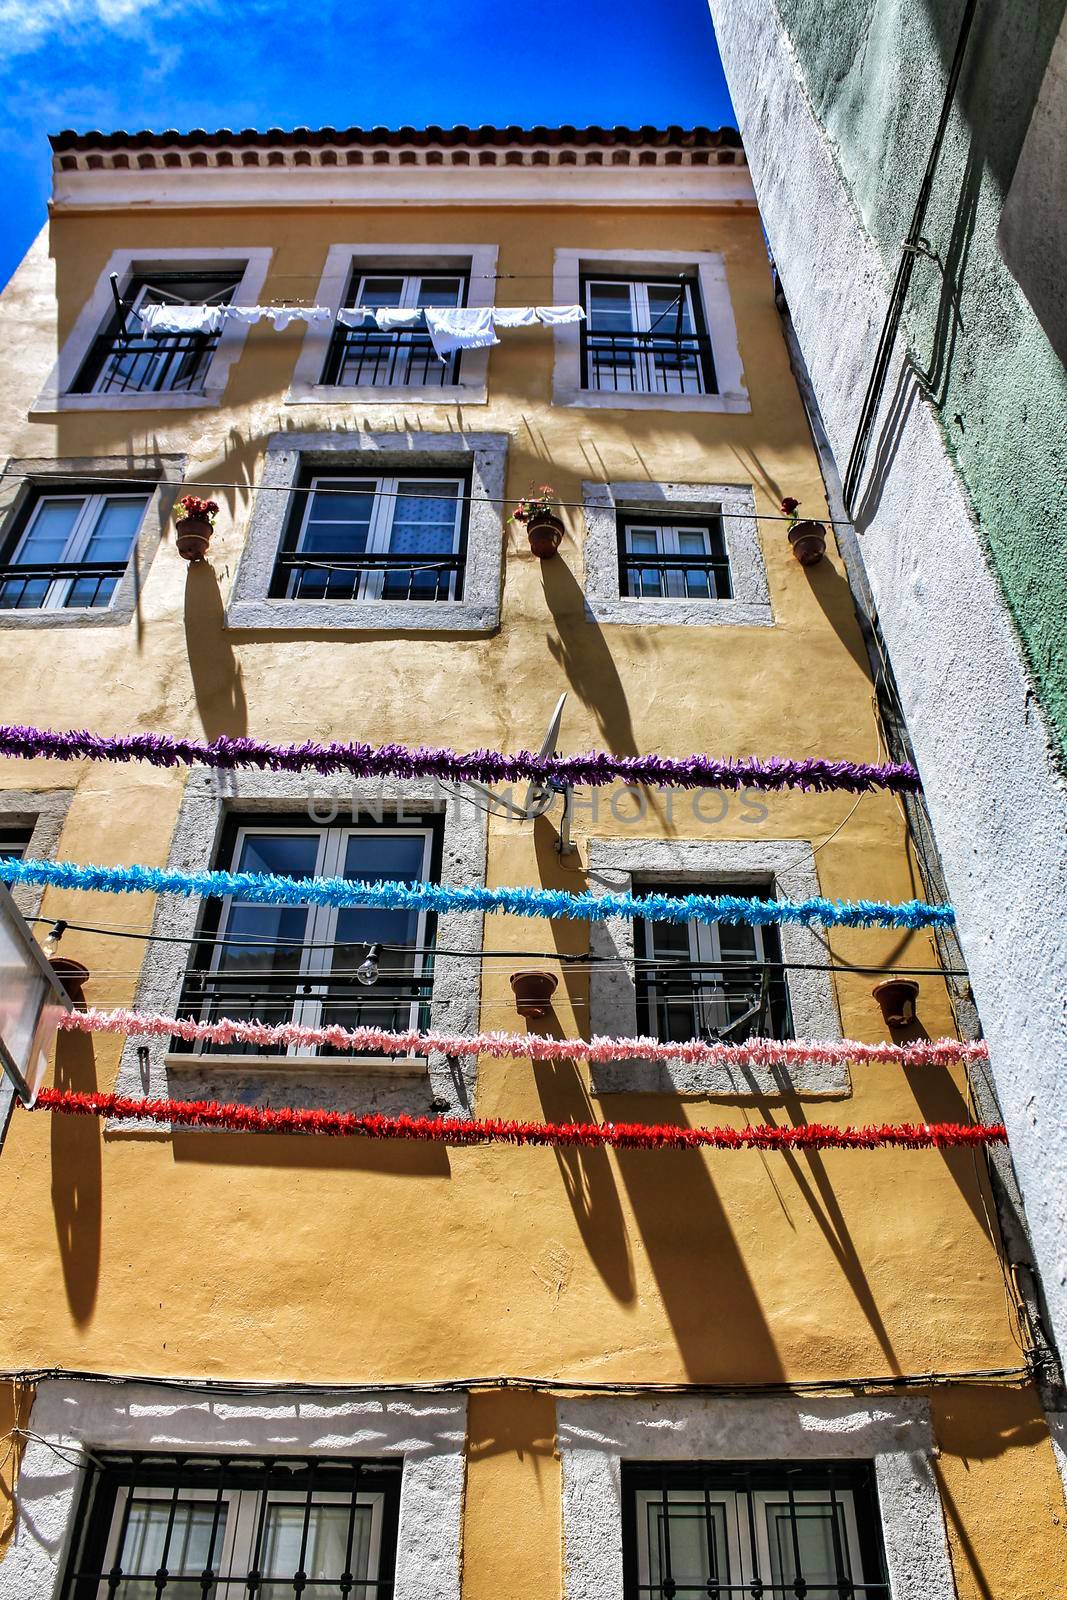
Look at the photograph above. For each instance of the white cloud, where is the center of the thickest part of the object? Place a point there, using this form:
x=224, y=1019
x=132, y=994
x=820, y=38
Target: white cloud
x=28, y=24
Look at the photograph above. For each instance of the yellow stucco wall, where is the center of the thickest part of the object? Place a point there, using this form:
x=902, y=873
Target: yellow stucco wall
x=282, y=1259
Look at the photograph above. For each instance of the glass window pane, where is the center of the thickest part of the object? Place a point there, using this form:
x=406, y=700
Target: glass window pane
x=376, y=292
x=22, y=594
x=116, y=529
x=424, y=518
x=325, y=1549
x=339, y=519
x=668, y=309
x=814, y=1541
x=643, y=541
x=188, y=1554
x=368, y=858
x=609, y=307
x=50, y=529
x=89, y=593
x=440, y=292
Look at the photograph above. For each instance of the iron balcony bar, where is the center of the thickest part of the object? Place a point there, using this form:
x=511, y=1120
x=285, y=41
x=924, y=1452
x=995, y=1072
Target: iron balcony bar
x=147, y=363
x=276, y=997
x=364, y=357
x=648, y=363
x=429, y=576
x=635, y=566
x=27, y=572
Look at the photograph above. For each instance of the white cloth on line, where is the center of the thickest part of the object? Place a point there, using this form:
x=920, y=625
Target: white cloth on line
x=180, y=319
x=389, y=318
x=246, y=316
x=514, y=317
x=354, y=316
x=554, y=316
x=281, y=316
x=455, y=328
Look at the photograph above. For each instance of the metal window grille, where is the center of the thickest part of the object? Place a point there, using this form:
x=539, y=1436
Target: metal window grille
x=759, y=1530
x=373, y=358
x=123, y=359
x=69, y=550
x=647, y=339
x=675, y=560
x=155, y=1526
x=709, y=980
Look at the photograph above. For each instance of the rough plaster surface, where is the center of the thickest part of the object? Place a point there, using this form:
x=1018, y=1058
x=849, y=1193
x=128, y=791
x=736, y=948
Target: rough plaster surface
x=427, y=1431
x=998, y=805
x=395, y=1087
x=51, y=476
x=594, y=1437
x=484, y=455
x=731, y=396
x=477, y=260
x=612, y=989
x=1057, y=1427
x=751, y=602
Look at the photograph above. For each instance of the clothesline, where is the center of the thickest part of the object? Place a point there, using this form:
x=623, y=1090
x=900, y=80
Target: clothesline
x=450, y=328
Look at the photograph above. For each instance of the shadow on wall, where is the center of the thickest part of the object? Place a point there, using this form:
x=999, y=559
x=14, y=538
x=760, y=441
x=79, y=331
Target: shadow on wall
x=578, y=646
x=216, y=673
x=77, y=1185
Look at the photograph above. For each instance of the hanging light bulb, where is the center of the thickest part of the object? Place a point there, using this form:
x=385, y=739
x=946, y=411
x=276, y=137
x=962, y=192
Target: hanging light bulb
x=367, y=971
x=55, y=933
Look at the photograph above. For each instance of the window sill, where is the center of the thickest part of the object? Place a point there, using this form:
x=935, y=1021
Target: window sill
x=50, y=405
x=94, y=617
x=371, y=1066
x=720, y=1083
x=449, y=394
x=736, y=403
x=680, y=613
x=365, y=616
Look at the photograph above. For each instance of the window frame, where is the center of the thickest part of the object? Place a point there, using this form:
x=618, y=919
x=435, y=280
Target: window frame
x=370, y=585
x=643, y=325
x=411, y=287
x=668, y=530
x=97, y=370
x=94, y=498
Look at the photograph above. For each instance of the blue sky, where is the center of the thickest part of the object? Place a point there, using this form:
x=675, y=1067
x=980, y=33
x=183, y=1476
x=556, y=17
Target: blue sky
x=261, y=63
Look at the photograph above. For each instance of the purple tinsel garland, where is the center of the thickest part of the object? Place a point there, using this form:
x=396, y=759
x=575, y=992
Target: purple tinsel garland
x=479, y=766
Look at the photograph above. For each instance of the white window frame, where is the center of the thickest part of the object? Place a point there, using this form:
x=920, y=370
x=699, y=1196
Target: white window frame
x=78, y=541
x=56, y=394
x=386, y=494
x=237, y=1547
x=668, y=541
x=151, y=358
x=709, y=270
x=735, y=1517
x=321, y=926
x=476, y=261
x=411, y=284
x=644, y=364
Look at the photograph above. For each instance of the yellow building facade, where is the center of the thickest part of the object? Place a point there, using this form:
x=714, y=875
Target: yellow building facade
x=410, y=1369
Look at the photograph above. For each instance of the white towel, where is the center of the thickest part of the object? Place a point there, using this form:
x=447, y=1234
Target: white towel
x=180, y=319
x=460, y=328
x=354, y=316
x=389, y=318
x=246, y=316
x=281, y=316
x=514, y=317
x=553, y=316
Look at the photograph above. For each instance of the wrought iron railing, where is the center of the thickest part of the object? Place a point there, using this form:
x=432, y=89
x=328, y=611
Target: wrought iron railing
x=385, y=577
x=362, y=357
x=648, y=363
x=137, y=363
x=395, y=1001
x=713, y=1000
x=25, y=586
x=649, y=577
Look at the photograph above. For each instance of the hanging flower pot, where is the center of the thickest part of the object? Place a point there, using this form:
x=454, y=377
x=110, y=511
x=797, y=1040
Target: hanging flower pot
x=72, y=975
x=807, y=538
x=195, y=524
x=543, y=528
x=896, y=997
x=533, y=992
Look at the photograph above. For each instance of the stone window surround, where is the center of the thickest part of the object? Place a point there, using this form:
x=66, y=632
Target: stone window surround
x=594, y=1437
x=426, y=1431
x=479, y=260
x=55, y=474
x=124, y=263
x=388, y=1084
x=603, y=503
x=790, y=863
x=710, y=267
x=483, y=455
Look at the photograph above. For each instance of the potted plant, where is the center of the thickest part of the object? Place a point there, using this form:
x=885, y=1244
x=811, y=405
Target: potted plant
x=807, y=538
x=543, y=528
x=195, y=522
x=896, y=997
x=533, y=992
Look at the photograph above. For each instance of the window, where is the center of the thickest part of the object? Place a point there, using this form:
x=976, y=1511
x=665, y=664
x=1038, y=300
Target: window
x=778, y=1530
x=70, y=550
x=124, y=359
x=645, y=337
x=374, y=538
x=699, y=980
x=368, y=355
x=299, y=963
x=14, y=840
x=155, y=1527
x=673, y=560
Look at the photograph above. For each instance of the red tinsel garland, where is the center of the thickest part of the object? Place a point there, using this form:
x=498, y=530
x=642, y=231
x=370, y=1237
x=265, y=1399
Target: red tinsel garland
x=437, y=1130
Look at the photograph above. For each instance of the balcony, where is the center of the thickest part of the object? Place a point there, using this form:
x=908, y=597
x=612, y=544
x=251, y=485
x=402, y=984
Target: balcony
x=368, y=358
x=732, y=1001
x=369, y=577
x=171, y=363
x=647, y=363
x=656, y=577
x=59, y=585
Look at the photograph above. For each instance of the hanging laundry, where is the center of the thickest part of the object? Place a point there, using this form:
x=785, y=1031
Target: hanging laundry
x=180, y=319
x=390, y=318
x=460, y=328
x=514, y=317
x=245, y=316
x=554, y=316
x=281, y=316
x=354, y=316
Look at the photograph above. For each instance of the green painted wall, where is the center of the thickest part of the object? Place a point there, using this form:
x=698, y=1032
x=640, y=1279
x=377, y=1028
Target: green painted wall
x=875, y=71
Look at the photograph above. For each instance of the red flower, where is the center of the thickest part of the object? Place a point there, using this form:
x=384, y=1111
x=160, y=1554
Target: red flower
x=789, y=506
x=191, y=505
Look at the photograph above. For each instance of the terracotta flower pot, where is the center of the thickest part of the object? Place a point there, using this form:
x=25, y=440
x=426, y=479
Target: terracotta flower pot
x=544, y=531
x=809, y=542
x=194, y=536
x=72, y=975
x=896, y=997
x=533, y=992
